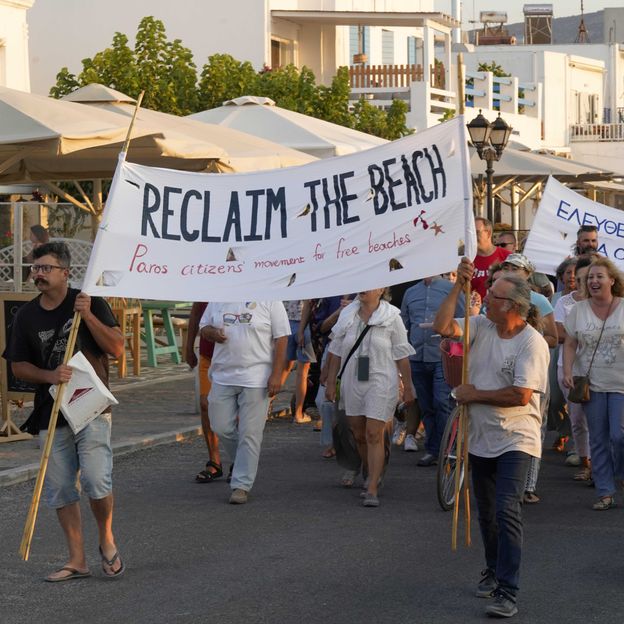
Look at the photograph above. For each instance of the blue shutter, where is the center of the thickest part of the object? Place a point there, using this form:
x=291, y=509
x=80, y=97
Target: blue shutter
x=387, y=47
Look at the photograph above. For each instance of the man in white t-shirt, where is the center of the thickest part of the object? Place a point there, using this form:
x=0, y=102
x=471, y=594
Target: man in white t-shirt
x=507, y=375
x=250, y=348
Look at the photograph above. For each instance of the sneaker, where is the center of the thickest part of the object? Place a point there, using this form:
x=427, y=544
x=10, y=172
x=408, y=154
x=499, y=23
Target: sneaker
x=238, y=497
x=487, y=585
x=502, y=606
x=410, y=444
x=398, y=432
x=572, y=459
x=427, y=460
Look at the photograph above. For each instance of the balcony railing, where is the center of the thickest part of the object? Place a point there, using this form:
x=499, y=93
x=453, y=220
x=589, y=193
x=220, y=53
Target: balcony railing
x=393, y=76
x=597, y=132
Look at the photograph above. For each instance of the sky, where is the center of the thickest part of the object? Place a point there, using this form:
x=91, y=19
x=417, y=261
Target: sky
x=63, y=32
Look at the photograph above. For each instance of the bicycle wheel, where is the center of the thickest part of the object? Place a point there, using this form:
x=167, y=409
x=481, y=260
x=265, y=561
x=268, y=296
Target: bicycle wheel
x=447, y=462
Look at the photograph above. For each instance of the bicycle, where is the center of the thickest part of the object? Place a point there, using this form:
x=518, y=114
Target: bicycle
x=447, y=463
x=452, y=358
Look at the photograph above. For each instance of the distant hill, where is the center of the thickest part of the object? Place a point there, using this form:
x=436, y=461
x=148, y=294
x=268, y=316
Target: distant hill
x=565, y=29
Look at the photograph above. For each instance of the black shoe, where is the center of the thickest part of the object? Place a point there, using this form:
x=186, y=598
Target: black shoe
x=502, y=606
x=487, y=585
x=427, y=460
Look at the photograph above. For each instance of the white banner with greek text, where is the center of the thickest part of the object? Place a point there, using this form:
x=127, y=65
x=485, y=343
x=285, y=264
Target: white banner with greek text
x=384, y=216
x=560, y=215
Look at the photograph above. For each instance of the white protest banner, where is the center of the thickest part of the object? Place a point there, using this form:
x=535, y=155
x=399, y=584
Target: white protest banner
x=560, y=215
x=384, y=216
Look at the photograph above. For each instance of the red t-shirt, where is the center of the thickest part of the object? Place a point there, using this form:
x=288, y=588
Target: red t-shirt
x=482, y=264
x=206, y=347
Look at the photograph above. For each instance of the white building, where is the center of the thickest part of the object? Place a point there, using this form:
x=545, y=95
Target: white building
x=14, y=67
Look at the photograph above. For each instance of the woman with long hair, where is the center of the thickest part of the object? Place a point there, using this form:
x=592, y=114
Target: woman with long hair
x=594, y=347
x=370, y=380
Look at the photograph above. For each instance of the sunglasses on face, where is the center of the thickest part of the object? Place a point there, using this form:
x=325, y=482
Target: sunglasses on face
x=504, y=244
x=45, y=268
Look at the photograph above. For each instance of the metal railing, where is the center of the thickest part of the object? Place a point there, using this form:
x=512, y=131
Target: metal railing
x=597, y=132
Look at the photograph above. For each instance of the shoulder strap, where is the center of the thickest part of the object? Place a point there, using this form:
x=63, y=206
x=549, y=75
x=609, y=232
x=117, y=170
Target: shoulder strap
x=358, y=342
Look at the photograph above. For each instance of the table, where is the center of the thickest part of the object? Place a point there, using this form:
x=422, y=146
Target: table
x=163, y=308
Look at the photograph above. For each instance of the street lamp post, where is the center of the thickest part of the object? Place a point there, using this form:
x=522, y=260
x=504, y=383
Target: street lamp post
x=490, y=140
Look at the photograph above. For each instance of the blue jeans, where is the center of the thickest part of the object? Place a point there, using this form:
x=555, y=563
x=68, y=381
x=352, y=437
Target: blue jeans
x=498, y=484
x=433, y=399
x=605, y=420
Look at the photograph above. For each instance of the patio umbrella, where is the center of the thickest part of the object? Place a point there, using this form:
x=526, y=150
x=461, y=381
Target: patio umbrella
x=260, y=116
x=240, y=151
x=525, y=166
x=35, y=131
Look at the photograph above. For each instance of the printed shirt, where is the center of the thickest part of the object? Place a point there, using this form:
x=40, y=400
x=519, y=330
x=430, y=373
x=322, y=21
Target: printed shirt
x=482, y=264
x=246, y=357
x=607, y=371
x=497, y=363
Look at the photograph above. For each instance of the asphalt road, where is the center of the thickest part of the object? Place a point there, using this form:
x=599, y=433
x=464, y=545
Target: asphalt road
x=304, y=550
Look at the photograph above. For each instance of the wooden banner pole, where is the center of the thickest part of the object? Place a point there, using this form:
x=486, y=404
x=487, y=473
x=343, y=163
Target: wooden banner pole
x=462, y=437
x=29, y=528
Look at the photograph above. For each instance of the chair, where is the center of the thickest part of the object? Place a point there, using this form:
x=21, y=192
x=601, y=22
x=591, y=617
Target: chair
x=128, y=313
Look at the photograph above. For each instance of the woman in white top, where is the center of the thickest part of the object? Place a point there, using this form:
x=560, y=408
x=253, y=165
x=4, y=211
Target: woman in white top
x=369, y=384
x=578, y=420
x=595, y=331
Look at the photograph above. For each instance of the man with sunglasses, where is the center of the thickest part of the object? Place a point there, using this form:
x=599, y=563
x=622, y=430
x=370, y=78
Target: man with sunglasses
x=507, y=241
x=507, y=377
x=250, y=350
x=36, y=351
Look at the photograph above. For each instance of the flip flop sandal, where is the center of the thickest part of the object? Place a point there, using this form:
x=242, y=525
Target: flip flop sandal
x=208, y=476
x=530, y=498
x=72, y=576
x=110, y=563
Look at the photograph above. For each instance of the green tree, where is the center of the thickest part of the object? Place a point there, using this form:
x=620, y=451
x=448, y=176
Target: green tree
x=224, y=78
x=66, y=82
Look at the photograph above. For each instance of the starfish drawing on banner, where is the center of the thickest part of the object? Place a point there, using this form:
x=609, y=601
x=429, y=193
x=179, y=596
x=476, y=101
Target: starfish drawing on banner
x=394, y=264
x=305, y=211
x=425, y=225
x=292, y=279
x=437, y=229
x=132, y=183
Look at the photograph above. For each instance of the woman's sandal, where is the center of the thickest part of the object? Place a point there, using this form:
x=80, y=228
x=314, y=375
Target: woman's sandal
x=329, y=453
x=348, y=478
x=603, y=503
x=530, y=498
x=207, y=475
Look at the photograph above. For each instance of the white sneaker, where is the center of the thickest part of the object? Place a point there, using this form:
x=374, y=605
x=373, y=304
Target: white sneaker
x=410, y=443
x=573, y=460
x=398, y=432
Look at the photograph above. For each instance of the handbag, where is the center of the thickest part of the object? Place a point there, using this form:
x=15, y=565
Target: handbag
x=580, y=392
x=347, y=454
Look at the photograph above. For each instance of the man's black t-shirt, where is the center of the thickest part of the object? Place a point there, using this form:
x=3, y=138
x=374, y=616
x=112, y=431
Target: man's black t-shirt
x=32, y=334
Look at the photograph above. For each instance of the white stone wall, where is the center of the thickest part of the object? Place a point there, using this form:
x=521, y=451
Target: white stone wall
x=14, y=68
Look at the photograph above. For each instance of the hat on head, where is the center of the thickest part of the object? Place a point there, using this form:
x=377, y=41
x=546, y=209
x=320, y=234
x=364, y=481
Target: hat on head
x=520, y=260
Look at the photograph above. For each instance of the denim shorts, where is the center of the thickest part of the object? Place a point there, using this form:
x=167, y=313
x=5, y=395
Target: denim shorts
x=88, y=454
x=294, y=351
